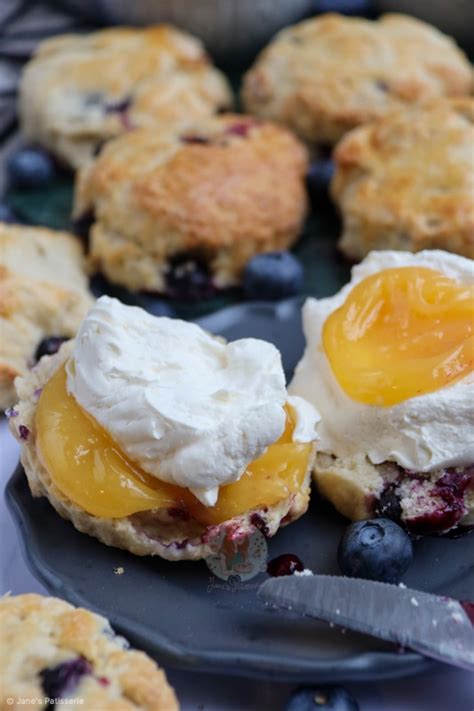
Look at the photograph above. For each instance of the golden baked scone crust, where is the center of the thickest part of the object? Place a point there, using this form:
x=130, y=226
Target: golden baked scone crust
x=80, y=90
x=156, y=532
x=407, y=181
x=226, y=189
x=40, y=633
x=326, y=75
x=43, y=292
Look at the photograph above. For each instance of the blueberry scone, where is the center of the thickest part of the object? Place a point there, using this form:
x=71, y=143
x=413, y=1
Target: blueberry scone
x=80, y=90
x=43, y=294
x=326, y=75
x=192, y=206
x=407, y=181
x=156, y=437
x=53, y=654
x=389, y=365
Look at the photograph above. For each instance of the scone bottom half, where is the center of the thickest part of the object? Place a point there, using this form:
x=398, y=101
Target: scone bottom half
x=438, y=503
x=390, y=359
x=69, y=655
x=151, y=517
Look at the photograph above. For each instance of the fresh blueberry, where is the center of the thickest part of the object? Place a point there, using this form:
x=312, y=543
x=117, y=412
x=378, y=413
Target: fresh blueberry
x=322, y=698
x=7, y=215
x=377, y=550
x=30, y=167
x=49, y=346
x=275, y=275
x=61, y=680
x=319, y=177
x=345, y=7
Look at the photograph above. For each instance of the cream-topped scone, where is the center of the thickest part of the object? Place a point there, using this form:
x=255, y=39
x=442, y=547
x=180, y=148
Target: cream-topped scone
x=389, y=365
x=154, y=436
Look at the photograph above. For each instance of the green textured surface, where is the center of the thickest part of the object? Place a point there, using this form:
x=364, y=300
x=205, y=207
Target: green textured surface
x=325, y=270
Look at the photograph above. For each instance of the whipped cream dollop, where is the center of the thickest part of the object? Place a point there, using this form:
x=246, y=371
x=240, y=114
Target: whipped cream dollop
x=423, y=433
x=189, y=409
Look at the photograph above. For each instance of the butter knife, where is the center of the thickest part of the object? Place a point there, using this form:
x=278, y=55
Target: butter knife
x=436, y=626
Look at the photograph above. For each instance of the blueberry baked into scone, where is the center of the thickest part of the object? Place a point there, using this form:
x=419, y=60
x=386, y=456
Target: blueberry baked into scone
x=43, y=295
x=156, y=437
x=80, y=90
x=54, y=654
x=407, y=181
x=192, y=206
x=389, y=365
x=328, y=74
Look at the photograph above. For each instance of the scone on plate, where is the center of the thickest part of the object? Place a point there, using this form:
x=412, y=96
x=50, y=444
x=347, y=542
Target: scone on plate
x=194, y=204
x=407, y=181
x=154, y=436
x=389, y=365
x=326, y=75
x=53, y=654
x=80, y=90
x=43, y=294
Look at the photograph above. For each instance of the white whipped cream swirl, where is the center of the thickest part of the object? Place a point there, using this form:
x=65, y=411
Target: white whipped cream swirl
x=187, y=408
x=422, y=433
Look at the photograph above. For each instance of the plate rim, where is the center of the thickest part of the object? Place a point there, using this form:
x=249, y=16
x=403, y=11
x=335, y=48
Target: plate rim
x=364, y=666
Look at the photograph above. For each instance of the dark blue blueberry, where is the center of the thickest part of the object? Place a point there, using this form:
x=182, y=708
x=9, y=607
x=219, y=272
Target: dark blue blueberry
x=7, y=215
x=322, y=698
x=318, y=178
x=275, y=275
x=389, y=505
x=30, y=167
x=188, y=279
x=49, y=346
x=61, y=680
x=345, y=7
x=376, y=550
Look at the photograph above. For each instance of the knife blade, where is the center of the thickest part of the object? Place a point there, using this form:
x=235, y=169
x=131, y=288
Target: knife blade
x=436, y=626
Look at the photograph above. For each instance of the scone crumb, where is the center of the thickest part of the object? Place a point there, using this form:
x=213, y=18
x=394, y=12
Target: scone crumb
x=119, y=570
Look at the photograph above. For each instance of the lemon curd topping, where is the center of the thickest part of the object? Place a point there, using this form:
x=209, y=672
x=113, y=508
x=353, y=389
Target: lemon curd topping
x=88, y=467
x=401, y=333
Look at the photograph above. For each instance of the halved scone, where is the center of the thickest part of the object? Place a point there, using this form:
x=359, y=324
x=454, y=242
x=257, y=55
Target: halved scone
x=123, y=482
x=389, y=366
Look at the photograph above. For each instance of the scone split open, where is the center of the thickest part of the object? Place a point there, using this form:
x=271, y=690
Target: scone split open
x=98, y=470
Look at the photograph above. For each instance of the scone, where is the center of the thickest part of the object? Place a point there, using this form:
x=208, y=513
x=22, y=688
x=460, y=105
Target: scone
x=156, y=437
x=389, y=365
x=80, y=90
x=206, y=199
x=51, y=651
x=43, y=293
x=407, y=181
x=329, y=74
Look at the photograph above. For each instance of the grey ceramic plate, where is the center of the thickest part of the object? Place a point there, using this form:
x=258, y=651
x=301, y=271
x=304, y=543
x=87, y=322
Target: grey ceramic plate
x=171, y=609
